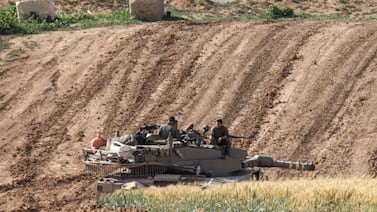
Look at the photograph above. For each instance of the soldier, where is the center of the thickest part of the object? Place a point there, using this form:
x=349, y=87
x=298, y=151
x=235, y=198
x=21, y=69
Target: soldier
x=170, y=128
x=220, y=136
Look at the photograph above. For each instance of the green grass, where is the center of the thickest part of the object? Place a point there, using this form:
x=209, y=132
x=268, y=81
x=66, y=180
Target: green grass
x=273, y=12
x=4, y=43
x=9, y=24
x=292, y=195
x=323, y=17
x=30, y=44
x=15, y=53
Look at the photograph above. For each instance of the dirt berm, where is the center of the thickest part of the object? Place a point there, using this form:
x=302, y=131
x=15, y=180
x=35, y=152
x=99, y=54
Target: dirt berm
x=304, y=90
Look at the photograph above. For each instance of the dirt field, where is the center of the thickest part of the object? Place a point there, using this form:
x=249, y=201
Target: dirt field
x=304, y=90
x=354, y=8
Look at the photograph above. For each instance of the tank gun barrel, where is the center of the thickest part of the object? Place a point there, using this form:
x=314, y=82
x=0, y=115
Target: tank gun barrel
x=268, y=161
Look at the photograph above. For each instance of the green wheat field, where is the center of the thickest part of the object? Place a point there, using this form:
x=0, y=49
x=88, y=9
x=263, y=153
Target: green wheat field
x=332, y=194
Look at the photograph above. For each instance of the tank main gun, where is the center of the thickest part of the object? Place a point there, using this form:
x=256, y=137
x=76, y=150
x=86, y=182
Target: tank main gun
x=268, y=161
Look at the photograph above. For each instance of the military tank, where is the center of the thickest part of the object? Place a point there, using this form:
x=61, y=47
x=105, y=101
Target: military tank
x=146, y=159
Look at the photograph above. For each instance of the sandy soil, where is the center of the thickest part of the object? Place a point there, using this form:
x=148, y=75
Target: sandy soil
x=304, y=90
x=355, y=8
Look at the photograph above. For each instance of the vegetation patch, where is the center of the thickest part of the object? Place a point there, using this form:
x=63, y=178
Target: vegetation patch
x=275, y=12
x=15, y=53
x=30, y=44
x=293, y=195
x=9, y=23
x=4, y=43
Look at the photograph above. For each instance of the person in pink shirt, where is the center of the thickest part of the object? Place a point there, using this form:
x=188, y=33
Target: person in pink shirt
x=98, y=142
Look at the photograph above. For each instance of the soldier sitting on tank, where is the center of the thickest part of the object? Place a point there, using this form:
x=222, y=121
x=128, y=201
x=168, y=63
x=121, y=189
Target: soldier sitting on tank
x=98, y=142
x=170, y=128
x=220, y=136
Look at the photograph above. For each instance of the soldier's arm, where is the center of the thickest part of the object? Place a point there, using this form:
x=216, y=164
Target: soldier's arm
x=177, y=134
x=226, y=132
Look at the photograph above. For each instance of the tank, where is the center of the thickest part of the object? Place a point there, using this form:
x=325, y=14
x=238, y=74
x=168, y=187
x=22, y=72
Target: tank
x=144, y=159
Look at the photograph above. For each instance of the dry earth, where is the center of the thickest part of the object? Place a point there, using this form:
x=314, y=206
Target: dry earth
x=304, y=90
x=355, y=8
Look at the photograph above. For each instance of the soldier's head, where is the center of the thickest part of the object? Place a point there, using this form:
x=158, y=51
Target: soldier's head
x=98, y=133
x=219, y=122
x=172, y=120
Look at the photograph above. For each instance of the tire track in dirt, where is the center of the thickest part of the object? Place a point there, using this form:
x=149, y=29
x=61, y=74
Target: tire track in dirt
x=195, y=81
x=248, y=94
x=124, y=77
x=26, y=85
x=137, y=79
x=337, y=98
x=25, y=89
x=38, y=74
x=118, y=108
x=27, y=167
x=212, y=84
x=284, y=89
x=360, y=61
x=226, y=73
x=205, y=67
x=185, y=58
x=327, y=102
x=268, y=67
x=286, y=139
x=27, y=97
x=102, y=70
x=153, y=88
x=106, y=75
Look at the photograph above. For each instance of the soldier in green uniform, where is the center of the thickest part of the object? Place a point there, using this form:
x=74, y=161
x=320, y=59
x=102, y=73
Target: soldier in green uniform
x=220, y=136
x=170, y=128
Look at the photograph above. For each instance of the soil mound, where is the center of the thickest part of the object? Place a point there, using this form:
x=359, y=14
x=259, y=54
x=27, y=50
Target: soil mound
x=304, y=90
